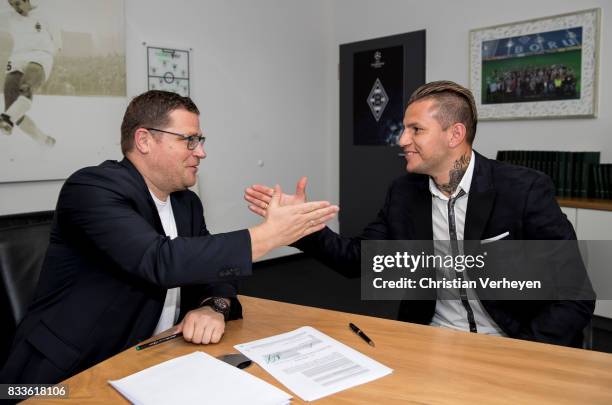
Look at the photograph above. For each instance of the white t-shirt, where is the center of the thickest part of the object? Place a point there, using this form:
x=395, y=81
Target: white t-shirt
x=172, y=304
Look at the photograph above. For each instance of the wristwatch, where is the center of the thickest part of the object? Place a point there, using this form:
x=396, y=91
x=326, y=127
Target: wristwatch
x=218, y=305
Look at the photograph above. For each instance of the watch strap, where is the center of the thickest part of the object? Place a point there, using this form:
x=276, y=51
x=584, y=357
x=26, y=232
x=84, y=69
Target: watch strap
x=218, y=304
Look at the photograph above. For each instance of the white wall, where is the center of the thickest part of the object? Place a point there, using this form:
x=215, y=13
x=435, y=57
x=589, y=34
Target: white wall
x=448, y=24
x=260, y=82
x=260, y=79
x=265, y=79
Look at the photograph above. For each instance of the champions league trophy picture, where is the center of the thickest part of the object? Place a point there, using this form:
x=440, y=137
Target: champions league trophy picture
x=378, y=96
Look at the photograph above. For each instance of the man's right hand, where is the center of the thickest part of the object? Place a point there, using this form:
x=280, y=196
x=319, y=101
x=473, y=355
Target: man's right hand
x=286, y=224
x=259, y=196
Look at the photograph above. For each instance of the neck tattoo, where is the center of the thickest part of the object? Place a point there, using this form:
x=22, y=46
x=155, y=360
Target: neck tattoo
x=455, y=175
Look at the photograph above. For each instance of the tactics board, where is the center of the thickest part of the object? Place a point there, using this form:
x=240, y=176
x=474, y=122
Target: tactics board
x=168, y=69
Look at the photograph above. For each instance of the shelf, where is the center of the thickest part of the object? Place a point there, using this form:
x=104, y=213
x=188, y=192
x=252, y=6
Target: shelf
x=585, y=203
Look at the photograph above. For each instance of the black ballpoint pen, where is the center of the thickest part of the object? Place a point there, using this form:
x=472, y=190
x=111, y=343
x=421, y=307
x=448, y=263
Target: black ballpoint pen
x=158, y=341
x=360, y=333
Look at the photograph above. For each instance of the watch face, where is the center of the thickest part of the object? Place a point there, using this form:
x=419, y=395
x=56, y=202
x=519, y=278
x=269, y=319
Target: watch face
x=221, y=304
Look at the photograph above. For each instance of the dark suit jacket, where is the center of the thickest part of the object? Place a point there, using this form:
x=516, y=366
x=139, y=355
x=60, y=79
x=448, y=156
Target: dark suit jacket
x=107, y=269
x=503, y=198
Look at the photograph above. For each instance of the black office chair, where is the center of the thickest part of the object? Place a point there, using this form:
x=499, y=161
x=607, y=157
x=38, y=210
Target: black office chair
x=23, y=244
x=587, y=333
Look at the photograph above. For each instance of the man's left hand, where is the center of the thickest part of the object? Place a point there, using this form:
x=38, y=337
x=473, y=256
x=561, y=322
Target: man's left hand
x=202, y=326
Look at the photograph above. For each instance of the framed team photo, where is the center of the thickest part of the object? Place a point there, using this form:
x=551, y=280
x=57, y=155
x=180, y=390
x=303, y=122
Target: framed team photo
x=541, y=68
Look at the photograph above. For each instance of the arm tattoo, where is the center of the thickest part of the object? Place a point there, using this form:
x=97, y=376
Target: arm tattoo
x=455, y=175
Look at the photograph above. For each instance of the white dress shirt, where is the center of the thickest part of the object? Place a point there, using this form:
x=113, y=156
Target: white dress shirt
x=172, y=304
x=450, y=312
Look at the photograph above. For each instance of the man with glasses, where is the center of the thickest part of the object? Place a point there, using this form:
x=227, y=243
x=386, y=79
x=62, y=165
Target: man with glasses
x=130, y=255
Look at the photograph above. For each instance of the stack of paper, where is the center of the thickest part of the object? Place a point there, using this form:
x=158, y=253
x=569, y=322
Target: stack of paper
x=197, y=378
x=312, y=364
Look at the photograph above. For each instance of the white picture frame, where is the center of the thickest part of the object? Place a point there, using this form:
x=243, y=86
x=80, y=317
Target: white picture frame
x=536, y=46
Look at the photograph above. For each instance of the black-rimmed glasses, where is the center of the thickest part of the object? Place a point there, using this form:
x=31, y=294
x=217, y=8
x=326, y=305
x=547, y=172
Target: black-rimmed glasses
x=192, y=140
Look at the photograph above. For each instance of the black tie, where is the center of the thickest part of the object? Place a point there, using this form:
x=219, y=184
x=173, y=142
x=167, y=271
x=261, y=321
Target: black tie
x=452, y=230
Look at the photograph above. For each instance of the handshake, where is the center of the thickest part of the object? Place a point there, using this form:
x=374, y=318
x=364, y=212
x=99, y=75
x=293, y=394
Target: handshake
x=287, y=218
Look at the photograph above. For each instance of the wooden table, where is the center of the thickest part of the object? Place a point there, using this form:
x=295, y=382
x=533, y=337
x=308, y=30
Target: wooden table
x=431, y=365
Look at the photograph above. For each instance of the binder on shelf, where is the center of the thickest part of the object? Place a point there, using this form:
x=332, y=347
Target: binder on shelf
x=590, y=159
x=575, y=174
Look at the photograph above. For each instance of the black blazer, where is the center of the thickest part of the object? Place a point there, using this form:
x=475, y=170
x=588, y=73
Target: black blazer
x=503, y=198
x=107, y=269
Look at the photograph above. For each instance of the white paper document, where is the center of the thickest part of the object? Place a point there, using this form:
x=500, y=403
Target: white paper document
x=197, y=378
x=312, y=364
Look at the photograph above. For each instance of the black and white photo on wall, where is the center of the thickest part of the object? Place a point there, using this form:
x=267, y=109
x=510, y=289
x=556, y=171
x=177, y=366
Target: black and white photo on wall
x=63, y=83
x=378, y=95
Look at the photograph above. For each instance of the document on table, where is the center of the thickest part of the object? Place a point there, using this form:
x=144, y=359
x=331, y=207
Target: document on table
x=197, y=378
x=312, y=364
